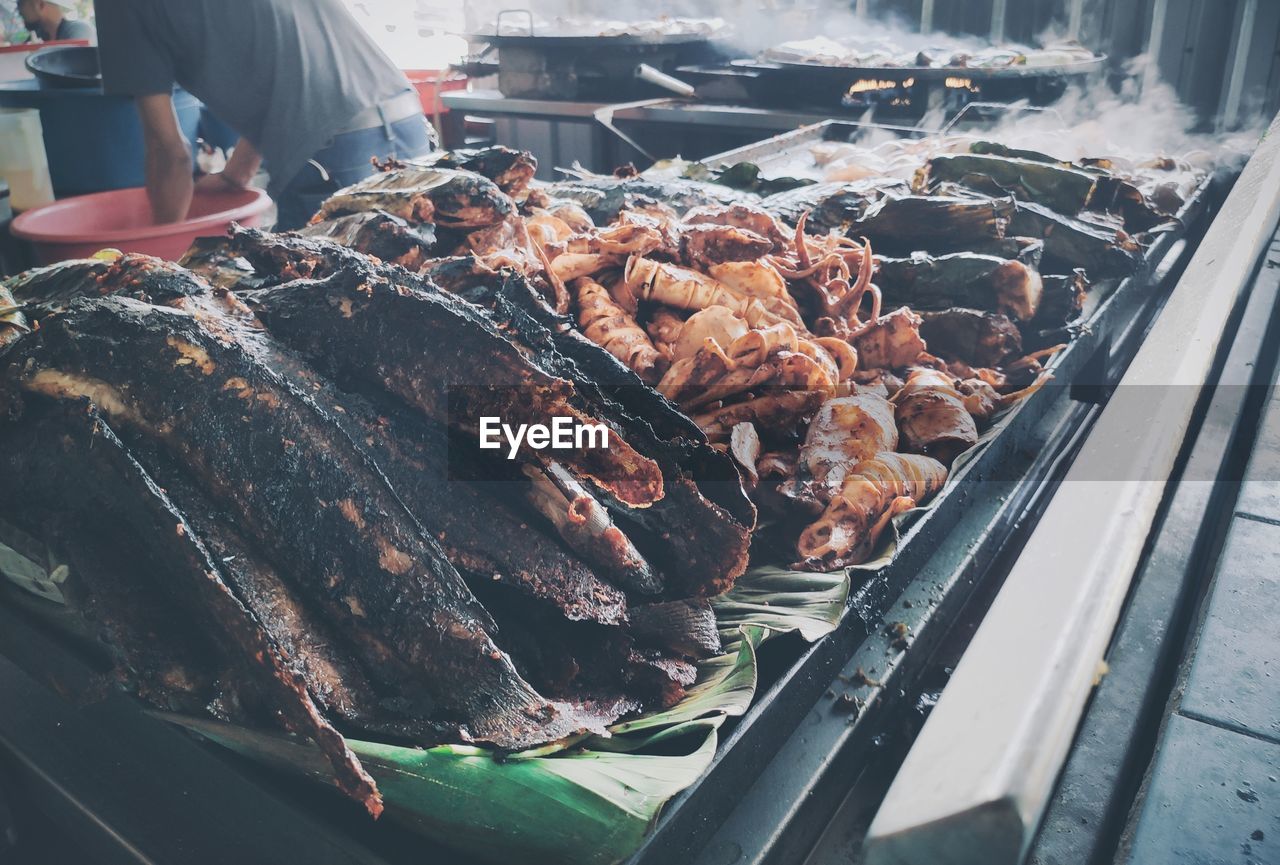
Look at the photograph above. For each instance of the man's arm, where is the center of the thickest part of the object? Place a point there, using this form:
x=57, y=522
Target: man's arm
x=239, y=170
x=168, y=158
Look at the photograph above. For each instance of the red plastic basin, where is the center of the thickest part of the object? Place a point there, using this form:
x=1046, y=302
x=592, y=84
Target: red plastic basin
x=121, y=219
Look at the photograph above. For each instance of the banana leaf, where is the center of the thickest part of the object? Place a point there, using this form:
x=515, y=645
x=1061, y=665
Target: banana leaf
x=780, y=601
x=587, y=801
x=726, y=686
x=1073, y=243
x=909, y=223
x=992, y=148
x=1060, y=188
x=582, y=807
x=745, y=176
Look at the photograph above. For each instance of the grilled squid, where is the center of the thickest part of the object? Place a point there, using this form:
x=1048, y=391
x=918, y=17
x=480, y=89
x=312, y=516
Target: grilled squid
x=688, y=289
x=932, y=416
x=777, y=413
x=845, y=432
x=891, y=341
x=875, y=491
x=706, y=242
x=612, y=328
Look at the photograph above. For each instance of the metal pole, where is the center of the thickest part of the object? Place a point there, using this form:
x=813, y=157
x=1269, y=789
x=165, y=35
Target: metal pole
x=1155, y=39
x=998, y=8
x=1075, y=17
x=926, y=16
x=1239, y=65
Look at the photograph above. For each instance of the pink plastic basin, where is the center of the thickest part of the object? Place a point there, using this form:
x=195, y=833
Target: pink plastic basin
x=121, y=219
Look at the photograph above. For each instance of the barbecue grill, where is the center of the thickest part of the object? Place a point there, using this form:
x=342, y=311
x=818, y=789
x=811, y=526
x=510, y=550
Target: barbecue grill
x=894, y=91
x=548, y=65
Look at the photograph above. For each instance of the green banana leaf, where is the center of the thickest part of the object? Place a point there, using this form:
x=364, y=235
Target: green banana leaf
x=585, y=801
x=581, y=807
x=779, y=601
x=726, y=685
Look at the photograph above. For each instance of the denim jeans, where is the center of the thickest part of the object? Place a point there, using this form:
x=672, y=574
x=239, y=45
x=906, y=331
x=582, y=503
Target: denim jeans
x=346, y=159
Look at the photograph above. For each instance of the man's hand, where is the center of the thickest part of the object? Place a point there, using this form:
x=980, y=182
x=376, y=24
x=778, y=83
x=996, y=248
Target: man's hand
x=169, y=183
x=217, y=183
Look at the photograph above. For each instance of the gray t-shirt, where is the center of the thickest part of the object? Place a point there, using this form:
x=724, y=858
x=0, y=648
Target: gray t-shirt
x=72, y=29
x=286, y=74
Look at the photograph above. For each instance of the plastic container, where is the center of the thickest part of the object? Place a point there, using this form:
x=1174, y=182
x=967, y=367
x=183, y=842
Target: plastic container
x=121, y=219
x=430, y=83
x=22, y=158
x=13, y=58
x=93, y=142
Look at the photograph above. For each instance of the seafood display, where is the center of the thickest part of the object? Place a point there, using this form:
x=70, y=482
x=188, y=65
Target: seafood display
x=268, y=462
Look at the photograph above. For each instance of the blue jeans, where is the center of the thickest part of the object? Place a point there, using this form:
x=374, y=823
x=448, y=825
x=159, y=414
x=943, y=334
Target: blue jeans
x=346, y=159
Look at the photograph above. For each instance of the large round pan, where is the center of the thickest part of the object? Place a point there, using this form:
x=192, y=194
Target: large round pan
x=552, y=41
x=933, y=73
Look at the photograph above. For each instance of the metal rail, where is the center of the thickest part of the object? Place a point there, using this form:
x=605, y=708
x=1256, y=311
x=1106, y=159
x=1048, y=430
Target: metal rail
x=976, y=782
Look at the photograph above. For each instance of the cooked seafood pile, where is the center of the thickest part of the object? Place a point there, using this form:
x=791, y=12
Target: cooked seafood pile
x=274, y=504
x=263, y=463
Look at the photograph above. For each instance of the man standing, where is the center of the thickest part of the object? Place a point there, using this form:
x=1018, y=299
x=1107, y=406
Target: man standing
x=305, y=87
x=48, y=20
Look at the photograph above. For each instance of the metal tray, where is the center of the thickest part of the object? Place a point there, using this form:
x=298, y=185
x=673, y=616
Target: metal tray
x=996, y=496
x=945, y=557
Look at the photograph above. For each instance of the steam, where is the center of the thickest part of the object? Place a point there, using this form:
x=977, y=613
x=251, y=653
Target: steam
x=1142, y=119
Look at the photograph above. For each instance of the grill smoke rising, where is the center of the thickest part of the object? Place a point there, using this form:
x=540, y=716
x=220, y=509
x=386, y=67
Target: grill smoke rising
x=1141, y=118
x=1134, y=115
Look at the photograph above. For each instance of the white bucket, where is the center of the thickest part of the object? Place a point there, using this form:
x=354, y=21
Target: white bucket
x=22, y=159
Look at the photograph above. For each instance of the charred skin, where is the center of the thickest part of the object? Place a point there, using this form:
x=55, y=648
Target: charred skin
x=512, y=170
x=213, y=260
x=902, y=224
x=194, y=580
x=445, y=197
x=1072, y=243
x=384, y=236
x=687, y=627
x=980, y=339
x=724, y=516
x=13, y=323
x=312, y=650
x=985, y=282
x=44, y=290
x=293, y=256
x=49, y=290
x=1056, y=186
x=291, y=478
x=830, y=206
x=471, y=370
x=603, y=198
x=483, y=534
x=464, y=505
x=464, y=275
